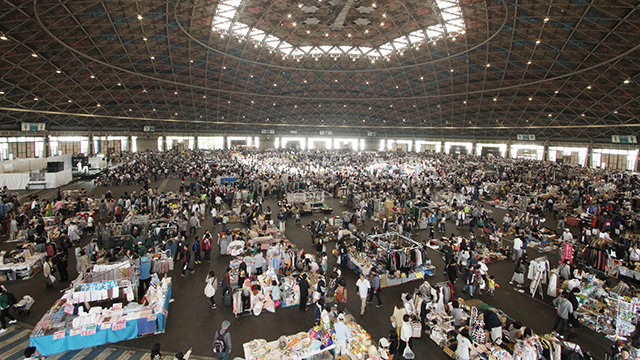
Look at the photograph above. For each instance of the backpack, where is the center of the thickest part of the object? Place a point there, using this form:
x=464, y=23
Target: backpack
x=219, y=346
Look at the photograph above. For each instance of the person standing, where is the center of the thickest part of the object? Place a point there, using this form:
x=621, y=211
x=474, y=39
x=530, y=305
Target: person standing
x=222, y=341
x=341, y=295
x=342, y=334
x=47, y=271
x=304, y=292
x=563, y=309
x=211, y=288
x=363, y=286
x=145, y=277
x=406, y=333
x=5, y=306
x=155, y=352
x=517, y=249
x=206, y=246
x=464, y=345
x=62, y=262
x=518, y=274
x=375, y=288
x=186, y=259
x=196, y=251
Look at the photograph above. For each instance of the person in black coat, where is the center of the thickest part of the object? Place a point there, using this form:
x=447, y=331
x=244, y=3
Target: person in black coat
x=304, y=292
x=452, y=271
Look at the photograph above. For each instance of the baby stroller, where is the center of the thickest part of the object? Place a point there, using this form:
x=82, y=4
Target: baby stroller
x=24, y=305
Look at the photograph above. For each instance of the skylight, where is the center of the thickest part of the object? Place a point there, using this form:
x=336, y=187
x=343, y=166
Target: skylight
x=224, y=22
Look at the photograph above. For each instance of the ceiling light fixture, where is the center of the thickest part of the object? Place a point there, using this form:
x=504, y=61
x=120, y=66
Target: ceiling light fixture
x=530, y=99
x=488, y=65
x=139, y=17
x=3, y=37
x=627, y=81
x=58, y=71
x=528, y=62
x=69, y=101
x=537, y=42
x=153, y=57
x=35, y=99
x=294, y=24
x=98, y=105
x=190, y=61
x=119, y=84
x=546, y=19
x=589, y=87
x=583, y=114
x=1, y=92
x=366, y=31
x=144, y=39
x=289, y=16
x=92, y=76
x=556, y=91
x=175, y=92
x=34, y=55
x=550, y=115
x=615, y=112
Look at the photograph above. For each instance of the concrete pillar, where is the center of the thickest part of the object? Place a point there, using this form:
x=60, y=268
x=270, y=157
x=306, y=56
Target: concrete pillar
x=47, y=146
x=195, y=142
x=129, y=143
x=92, y=151
x=164, y=142
x=588, y=161
x=267, y=142
x=545, y=153
x=508, y=153
x=371, y=144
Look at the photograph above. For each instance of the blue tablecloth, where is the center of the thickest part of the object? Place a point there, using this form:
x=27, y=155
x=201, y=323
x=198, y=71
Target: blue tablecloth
x=162, y=317
x=47, y=346
x=228, y=180
x=135, y=328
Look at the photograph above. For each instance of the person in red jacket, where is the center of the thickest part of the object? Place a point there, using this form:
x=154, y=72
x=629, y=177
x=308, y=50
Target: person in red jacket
x=206, y=246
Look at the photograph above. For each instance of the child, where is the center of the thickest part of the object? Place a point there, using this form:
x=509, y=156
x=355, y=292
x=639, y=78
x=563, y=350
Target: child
x=491, y=284
x=297, y=217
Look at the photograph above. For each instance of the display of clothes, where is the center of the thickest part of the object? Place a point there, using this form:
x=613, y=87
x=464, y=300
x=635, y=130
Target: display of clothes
x=567, y=252
x=161, y=266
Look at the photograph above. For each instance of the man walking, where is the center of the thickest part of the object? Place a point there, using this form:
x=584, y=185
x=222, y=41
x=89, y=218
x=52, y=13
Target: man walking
x=564, y=309
x=186, y=259
x=363, y=290
x=222, y=341
x=375, y=288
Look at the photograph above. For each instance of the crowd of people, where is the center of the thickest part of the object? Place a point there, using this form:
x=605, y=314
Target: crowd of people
x=212, y=180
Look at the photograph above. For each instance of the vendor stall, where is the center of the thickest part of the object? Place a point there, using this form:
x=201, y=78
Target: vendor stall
x=21, y=263
x=397, y=259
x=307, y=345
x=100, y=309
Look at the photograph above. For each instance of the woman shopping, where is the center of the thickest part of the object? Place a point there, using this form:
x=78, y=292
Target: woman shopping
x=210, y=289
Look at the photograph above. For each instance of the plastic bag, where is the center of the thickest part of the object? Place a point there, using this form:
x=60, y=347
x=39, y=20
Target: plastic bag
x=408, y=353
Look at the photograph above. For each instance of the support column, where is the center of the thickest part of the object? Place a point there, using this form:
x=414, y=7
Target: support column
x=545, y=153
x=588, y=161
x=129, y=140
x=92, y=151
x=508, y=153
x=195, y=142
x=164, y=142
x=47, y=146
x=473, y=148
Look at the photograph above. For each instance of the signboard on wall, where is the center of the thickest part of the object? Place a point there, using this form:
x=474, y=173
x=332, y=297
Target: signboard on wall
x=327, y=133
x=270, y=132
x=371, y=133
x=624, y=139
x=33, y=126
x=293, y=132
x=526, y=137
x=149, y=128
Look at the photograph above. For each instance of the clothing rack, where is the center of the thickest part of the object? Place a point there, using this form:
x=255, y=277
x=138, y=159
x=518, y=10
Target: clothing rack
x=536, y=283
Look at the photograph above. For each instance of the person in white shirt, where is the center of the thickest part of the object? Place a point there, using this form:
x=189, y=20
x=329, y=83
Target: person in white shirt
x=517, y=249
x=634, y=254
x=214, y=215
x=464, y=345
x=566, y=235
x=363, y=290
x=406, y=333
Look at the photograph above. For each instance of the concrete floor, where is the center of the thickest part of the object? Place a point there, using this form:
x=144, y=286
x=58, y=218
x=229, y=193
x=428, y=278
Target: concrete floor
x=191, y=323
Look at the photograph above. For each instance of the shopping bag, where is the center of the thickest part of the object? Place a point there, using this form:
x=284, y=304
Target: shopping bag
x=52, y=279
x=408, y=354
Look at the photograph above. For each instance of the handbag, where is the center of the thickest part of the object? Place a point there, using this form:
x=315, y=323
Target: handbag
x=209, y=290
x=408, y=353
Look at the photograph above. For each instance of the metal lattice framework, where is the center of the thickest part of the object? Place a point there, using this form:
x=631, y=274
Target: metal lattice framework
x=561, y=69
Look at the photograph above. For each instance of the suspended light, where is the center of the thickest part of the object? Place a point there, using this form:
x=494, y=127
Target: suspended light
x=35, y=99
x=58, y=71
x=3, y=37
x=139, y=17
x=546, y=19
x=627, y=81
x=34, y=55
x=589, y=87
x=144, y=39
